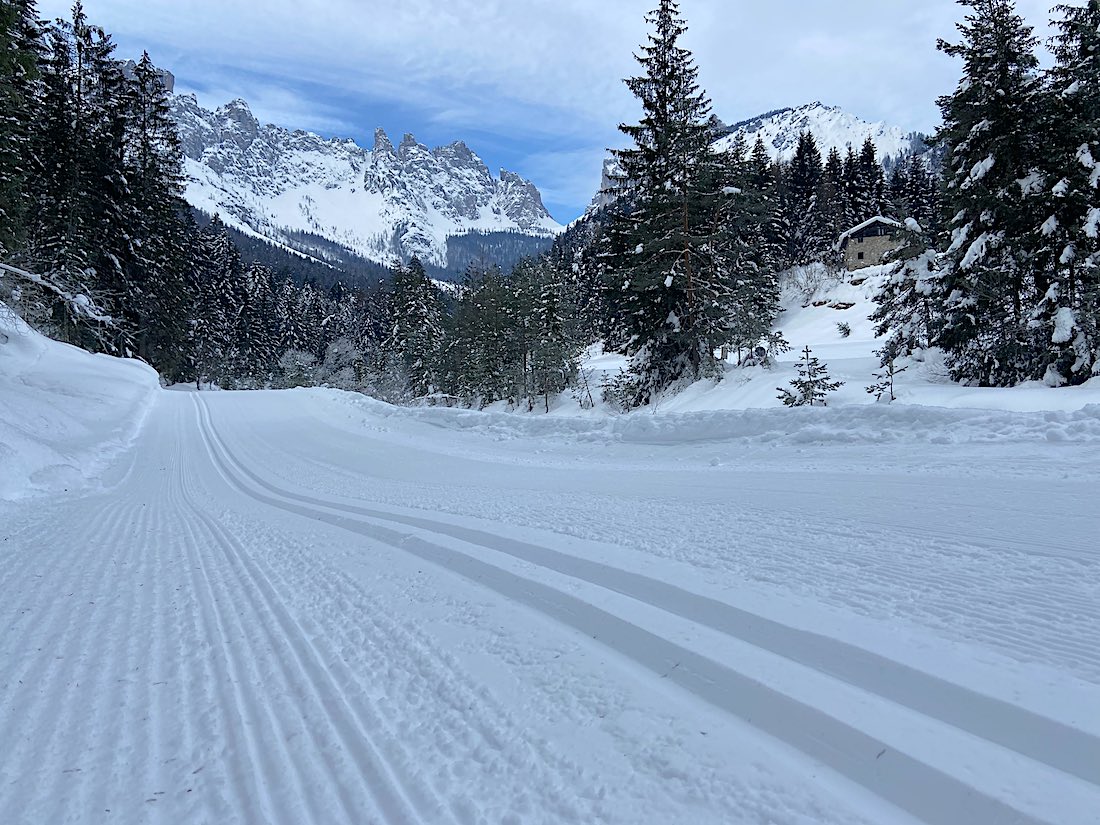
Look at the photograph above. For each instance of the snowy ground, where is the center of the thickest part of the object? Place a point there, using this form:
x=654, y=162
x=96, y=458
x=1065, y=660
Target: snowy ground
x=308, y=607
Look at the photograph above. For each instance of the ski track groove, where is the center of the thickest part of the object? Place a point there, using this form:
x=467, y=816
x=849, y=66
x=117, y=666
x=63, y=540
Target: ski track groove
x=236, y=694
x=983, y=716
x=391, y=796
x=471, y=726
x=655, y=653
x=45, y=654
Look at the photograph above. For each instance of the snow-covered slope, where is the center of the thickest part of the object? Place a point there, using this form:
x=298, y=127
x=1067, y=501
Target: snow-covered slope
x=64, y=413
x=816, y=303
x=384, y=204
x=832, y=127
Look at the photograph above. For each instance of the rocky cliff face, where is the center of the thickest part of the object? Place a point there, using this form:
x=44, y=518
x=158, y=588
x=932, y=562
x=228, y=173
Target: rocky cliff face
x=385, y=204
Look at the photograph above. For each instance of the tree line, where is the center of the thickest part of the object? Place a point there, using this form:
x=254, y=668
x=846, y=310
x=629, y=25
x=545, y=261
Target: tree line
x=681, y=269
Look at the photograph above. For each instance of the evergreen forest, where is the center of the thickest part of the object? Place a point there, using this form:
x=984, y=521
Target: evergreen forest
x=682, y=271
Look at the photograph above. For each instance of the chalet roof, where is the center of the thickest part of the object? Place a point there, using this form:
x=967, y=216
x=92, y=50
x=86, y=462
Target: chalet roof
x=855, y=230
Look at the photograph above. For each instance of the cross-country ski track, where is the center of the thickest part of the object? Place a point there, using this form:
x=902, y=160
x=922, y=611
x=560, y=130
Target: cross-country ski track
x=299, y=608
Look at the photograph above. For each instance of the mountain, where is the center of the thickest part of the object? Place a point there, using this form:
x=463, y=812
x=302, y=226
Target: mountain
x=831, y=126
x=385, y=204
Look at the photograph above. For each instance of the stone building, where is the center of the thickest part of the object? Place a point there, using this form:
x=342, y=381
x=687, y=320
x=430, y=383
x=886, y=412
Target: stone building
x=869, y=243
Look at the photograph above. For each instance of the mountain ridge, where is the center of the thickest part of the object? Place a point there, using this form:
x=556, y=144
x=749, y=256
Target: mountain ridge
x=831, y=126
x=385, y=204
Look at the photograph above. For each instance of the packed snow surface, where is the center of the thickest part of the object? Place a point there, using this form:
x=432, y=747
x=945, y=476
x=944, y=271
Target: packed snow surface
x=310, y=607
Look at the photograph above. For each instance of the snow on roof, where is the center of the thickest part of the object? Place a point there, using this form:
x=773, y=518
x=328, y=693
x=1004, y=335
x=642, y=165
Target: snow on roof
x=868, y=223
x=865, y=225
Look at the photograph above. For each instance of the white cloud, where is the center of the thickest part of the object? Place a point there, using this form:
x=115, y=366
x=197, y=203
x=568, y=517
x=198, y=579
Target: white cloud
x=542, y=71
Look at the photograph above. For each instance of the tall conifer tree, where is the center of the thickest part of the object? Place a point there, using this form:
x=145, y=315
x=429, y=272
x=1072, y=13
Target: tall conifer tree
x=989, y=133
x=657, y=238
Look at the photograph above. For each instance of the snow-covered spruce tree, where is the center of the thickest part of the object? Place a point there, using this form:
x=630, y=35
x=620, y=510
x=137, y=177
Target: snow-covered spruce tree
x=21, y=49
x=255, y=329
x=554, y=353
x=870, y=188
x=909, y=306
x=990, y=137
x=155, y=274
x=804, y=218
x=834, y=208
x=764, y=186
x=482, y=353
x=665, y=219
x=1067, y=319
x=744, y=294
x=77, y=188
x=922, y=196
x=217, y=274
x=812, y=386
x=416, y=336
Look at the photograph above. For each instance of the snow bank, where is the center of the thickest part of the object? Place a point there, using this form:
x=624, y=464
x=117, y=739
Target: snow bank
x=871, y=424
x=64, y=413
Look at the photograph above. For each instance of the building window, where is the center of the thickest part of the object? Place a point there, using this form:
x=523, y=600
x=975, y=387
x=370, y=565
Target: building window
x=860, y=256
x=859, y=239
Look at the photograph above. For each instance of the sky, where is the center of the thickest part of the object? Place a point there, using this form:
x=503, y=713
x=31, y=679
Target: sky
x=535, y=86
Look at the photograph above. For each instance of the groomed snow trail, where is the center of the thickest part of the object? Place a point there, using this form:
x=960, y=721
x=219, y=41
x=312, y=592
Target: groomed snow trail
x=291, y=609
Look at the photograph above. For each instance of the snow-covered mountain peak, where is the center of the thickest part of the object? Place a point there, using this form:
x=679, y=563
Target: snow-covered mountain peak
x=385, y=204
x=831, y=126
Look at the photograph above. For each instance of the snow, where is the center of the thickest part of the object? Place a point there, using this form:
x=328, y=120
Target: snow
x=980, y=170
x=64, y=414
x=832, y=128
x=270, y=183
x=1032, y=184
x=309, y=606
x=866, y=224
x=1064, y=324
x=978, y=249
x=1092, y=221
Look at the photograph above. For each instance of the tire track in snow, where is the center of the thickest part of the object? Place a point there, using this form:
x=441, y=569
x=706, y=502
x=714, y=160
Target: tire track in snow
x=1037, y=737
x=906, y=782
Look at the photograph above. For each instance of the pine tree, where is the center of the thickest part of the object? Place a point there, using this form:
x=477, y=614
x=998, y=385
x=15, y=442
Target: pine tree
x=870, y=189
x=803, y=211
x=1067, y=320
x=886, y=376
x=218, y=279
x=989, y=133
x=77, y=231
x=554, y=355
x=21, y=50
x=833, y=198
x=255, y=329
x=812, y=386
x=416, y=335
x=853, y=214
x=657, y=235
x=763, y=182
x=154, y=276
